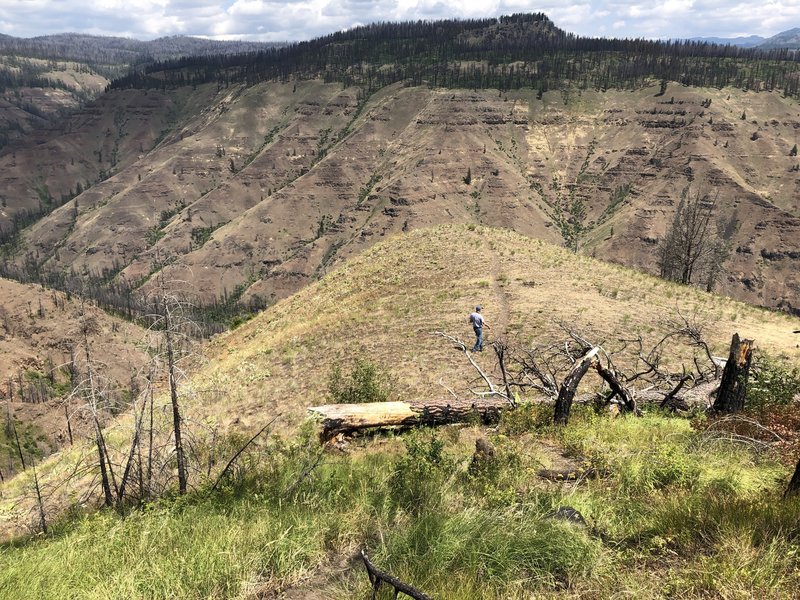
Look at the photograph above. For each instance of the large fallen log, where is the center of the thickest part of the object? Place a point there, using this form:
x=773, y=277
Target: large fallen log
x=350, y=418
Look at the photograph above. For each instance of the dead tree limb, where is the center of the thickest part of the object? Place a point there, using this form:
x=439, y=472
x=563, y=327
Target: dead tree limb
x=500, y=349
x=567, y=393
x=239, y=452
x=669, y=399
x=452, y=393
x=732, y=389
x=378, y=577
x=628, y=402
x=463, y=347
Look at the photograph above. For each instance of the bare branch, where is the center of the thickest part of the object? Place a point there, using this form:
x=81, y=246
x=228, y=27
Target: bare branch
x=463, y=347
x=240, y=451
x=452, y=393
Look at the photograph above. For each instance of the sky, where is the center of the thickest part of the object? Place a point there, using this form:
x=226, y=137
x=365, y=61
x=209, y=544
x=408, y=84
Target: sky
x=291, y=20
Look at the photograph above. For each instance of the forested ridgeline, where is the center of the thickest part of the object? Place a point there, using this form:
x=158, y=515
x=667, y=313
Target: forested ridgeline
x=112, y=56
x=523, y=50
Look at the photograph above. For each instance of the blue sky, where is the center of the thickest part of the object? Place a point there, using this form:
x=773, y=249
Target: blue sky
x=278, y=20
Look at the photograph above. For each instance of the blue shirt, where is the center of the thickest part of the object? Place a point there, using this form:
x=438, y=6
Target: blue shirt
x=476, y=319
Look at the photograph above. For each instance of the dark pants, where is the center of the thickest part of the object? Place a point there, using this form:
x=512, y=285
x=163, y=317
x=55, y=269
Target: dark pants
x=478, y=347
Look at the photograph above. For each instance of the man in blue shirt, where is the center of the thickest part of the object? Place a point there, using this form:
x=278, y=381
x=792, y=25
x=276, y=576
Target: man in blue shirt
x=478, y=323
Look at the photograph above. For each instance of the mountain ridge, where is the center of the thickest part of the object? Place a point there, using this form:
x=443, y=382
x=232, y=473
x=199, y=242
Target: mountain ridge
x=255, y=182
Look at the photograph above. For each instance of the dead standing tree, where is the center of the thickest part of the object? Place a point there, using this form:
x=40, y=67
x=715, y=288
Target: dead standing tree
x=695, y=246
x=167, y=317
x=733, y=388
x=169, y=334
x=94, y=398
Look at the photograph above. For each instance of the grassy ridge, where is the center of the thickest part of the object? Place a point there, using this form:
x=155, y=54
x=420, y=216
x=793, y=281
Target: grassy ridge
x=680, y=511
x=386, y=303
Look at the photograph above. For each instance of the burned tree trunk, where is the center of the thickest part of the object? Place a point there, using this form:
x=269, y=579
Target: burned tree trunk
x=628, y=402
x=350, y=418
x=567, y=393
x=730, y=398
x=794, y=485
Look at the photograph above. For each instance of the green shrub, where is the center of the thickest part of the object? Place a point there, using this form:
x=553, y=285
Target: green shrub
x=365, y=383
x=527, y=417
x=772, y=381
x=419, y=475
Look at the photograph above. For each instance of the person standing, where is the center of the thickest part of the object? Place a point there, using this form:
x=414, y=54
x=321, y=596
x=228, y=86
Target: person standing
x=478, y=323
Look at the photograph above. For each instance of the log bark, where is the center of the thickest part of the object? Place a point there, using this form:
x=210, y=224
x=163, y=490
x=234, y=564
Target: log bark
x=732, y=390
x=794, y=485
x=350, y=418
x=567, y=393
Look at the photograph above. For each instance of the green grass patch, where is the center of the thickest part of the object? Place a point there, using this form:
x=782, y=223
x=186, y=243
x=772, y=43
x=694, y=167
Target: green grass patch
x=701, y=516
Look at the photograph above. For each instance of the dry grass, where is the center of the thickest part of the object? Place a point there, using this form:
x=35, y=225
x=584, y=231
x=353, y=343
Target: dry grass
x=386, y=304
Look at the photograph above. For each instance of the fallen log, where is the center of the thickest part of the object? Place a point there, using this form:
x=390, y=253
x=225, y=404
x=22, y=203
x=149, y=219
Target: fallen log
x=350, y=418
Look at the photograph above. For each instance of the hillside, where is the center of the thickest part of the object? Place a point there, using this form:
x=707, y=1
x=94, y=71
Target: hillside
x=676, y=501
x=386, y=304
x=45, y=78
x=250, y=193
x=785, y=39
x=43, y=360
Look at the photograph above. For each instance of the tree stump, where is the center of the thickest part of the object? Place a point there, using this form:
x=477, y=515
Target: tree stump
x=483, y=457
x=732, y=390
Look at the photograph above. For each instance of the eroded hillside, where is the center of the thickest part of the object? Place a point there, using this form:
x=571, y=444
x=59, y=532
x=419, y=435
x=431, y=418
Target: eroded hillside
x=43, y=362
x=252, y=192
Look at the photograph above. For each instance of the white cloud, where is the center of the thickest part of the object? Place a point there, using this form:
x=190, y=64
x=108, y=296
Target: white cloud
x=303, y=19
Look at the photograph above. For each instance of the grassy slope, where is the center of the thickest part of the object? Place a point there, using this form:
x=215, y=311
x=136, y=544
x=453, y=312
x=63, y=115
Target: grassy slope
x=681, y=513
x=386, y=304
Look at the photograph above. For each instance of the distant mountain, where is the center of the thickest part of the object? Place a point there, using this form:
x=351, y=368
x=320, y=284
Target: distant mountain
x=786, y=39
x=750, y=41
x=250, y=176
x=44, y=78
x=119, y=51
